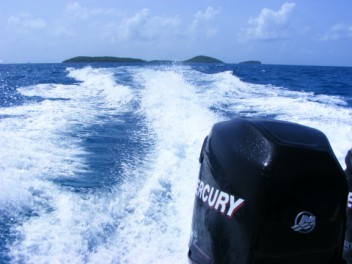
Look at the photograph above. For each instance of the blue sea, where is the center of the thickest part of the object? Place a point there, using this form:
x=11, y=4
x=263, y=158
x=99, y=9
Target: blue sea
x=99, y=163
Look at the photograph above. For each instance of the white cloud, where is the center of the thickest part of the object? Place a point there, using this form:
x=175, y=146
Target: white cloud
x=157, y=27
x=114, y=25
x=76, y=11
x=131, y=25
x=338, y=31
x=143, y=26
x=270, y=24
x=201, y=22
x=61, y=30
x=77, y=20
x=35, y=23
x=23, y=22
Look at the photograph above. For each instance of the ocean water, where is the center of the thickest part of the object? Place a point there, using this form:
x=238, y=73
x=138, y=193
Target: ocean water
x=99, y=163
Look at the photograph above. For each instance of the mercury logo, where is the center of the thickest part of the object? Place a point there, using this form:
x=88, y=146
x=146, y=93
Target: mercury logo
x=218, y=200
x=349, y=200
x=304, y=222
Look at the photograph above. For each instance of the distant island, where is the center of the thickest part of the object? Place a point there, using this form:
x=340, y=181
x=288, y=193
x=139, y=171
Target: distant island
x=88, y=59
x=250, y=62
x=203, y=59
x=104, y=59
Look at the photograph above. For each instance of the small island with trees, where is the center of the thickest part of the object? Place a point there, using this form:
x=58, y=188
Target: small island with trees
x=88, y=59
x=250, y=62
x=106, y=59
x=203, y=59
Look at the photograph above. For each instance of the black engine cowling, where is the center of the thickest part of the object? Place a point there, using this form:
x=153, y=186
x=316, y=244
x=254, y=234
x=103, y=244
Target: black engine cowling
x=268, y=192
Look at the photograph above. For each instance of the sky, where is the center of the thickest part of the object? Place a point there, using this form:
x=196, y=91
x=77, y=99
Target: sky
x=297, y=32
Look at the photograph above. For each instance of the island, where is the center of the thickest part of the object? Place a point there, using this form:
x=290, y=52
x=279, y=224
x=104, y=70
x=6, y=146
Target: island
x=88, y=59
x=104, y=59
x=203, y=59
x=250, y=62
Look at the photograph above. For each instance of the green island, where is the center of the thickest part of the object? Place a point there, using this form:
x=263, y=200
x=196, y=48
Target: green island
x=88, y=59
x=103, y=59
x=203, y=59
x=250, y=62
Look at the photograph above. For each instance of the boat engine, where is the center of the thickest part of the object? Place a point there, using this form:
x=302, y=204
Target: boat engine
x=269, y=192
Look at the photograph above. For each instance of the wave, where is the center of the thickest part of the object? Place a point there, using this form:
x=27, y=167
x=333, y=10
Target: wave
x=149, y=124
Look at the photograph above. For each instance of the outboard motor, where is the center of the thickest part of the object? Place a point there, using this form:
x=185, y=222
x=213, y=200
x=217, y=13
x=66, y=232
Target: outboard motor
x=269, y=192
x=347, y=252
